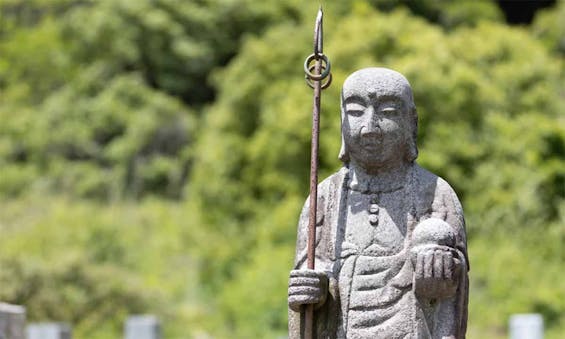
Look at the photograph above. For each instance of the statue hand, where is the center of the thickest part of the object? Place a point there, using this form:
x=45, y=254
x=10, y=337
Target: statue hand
x=437, y=269
x=307, y=286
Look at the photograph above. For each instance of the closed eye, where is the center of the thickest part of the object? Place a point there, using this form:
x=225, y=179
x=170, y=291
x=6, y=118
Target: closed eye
x=354, y=109
x=390, y=110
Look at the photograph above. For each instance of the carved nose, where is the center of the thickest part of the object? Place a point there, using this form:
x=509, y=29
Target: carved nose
x=372, y=125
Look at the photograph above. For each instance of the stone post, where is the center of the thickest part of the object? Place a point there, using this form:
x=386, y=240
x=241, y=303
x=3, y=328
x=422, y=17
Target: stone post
x=12, y=321
x=142, y=327
x=49, y=331
x=526, y=326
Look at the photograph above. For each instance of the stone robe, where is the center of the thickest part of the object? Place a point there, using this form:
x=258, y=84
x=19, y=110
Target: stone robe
x=363, y=242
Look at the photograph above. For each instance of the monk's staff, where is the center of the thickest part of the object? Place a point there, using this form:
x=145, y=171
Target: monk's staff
x=317, y=69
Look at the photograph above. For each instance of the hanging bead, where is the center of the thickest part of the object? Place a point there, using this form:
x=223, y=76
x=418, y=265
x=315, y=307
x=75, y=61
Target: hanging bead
x=374, y=209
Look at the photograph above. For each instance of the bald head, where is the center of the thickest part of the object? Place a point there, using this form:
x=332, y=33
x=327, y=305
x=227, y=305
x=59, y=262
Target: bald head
x=379, y=121
x=375, y=81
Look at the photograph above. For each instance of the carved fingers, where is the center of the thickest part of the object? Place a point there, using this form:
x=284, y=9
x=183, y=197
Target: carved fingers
x=436, y=271
x=307, y=287
x=436, y=263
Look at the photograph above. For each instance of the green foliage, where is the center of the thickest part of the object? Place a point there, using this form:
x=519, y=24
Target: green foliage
x=549, y=26
x=174, y=44
x=448, y=14
x=76, y=261
x=94, y=137
x=154, y=155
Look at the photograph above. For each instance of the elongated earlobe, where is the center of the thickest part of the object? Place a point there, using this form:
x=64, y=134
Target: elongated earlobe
x=343, y=152
x=412, y=152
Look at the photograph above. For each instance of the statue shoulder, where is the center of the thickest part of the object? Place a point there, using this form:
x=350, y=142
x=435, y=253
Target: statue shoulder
x=437, y=197
x=333, y=182
x=438, y=200
x=327, y=191
x=431, y=183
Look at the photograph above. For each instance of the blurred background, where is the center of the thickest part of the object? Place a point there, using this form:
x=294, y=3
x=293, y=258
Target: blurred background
x=154, y=154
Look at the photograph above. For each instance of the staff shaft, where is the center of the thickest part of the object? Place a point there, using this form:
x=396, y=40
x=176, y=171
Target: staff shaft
x=314, y=170
x=311, y=254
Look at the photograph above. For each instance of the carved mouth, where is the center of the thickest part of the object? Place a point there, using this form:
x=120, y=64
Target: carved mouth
x=372, y=147
x=372, y=142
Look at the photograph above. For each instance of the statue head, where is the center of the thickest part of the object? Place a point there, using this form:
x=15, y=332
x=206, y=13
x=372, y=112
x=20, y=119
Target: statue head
x=378, y=119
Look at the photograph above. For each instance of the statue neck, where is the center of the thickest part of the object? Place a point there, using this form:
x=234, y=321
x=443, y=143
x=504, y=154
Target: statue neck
x=381, y=180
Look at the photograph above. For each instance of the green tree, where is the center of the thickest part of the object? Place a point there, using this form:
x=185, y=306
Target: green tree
x=549, y=26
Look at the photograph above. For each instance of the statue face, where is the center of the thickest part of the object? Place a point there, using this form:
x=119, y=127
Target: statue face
x=378, y=121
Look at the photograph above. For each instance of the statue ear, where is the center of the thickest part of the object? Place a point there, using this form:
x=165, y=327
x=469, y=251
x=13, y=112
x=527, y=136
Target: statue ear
x=412, y=152
x=343, y=152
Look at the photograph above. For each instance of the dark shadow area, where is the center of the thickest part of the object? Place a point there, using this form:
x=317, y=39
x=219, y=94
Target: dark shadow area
x=521, y=12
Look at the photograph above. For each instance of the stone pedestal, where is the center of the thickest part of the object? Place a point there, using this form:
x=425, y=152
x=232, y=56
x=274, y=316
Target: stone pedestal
x=526, y=326
x=48, y=331
x=142, y=327
x=12, y=321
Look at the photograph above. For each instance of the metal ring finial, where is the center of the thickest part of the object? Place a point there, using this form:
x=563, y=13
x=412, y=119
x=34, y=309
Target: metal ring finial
x=325, y=83
x=326, y=67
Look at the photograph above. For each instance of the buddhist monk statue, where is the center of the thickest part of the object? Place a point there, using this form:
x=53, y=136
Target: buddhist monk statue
x=391, y=250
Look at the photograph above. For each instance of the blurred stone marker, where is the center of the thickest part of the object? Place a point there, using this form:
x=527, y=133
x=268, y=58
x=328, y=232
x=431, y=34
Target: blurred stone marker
x=143, y=327
x=526, y=326
x=48, y=331
x=12, y=321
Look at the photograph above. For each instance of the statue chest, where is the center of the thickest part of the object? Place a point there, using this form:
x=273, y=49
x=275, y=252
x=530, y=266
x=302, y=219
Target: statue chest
x=376, y=223
x=375, y=279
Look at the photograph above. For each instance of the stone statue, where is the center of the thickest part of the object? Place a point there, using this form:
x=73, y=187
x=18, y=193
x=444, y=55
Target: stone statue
x=391, y=252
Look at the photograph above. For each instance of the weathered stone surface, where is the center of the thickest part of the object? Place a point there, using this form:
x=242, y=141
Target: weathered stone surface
x=12, y=321
x=391, y=252
x=48, y=331
x=143, y=327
